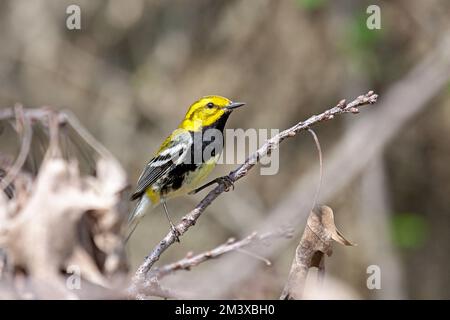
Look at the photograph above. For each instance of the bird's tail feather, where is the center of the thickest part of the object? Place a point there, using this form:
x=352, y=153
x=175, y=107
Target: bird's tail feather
x=136, y=216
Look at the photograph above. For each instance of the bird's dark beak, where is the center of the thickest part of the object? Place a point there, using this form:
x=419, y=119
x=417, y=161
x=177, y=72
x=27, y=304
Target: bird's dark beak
x=235, y=105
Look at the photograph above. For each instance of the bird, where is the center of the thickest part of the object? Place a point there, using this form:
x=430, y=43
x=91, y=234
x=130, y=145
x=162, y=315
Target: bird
x=185, y=159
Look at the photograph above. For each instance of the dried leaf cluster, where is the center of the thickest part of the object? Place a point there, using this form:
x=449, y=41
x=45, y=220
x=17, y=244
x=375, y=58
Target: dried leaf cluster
x=62, y=221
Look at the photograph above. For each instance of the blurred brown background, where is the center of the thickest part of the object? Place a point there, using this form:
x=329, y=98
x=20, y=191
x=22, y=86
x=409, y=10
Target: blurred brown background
x=134, y=68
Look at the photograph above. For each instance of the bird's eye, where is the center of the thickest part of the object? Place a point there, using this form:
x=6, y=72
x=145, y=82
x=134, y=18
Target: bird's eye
x=210, y=105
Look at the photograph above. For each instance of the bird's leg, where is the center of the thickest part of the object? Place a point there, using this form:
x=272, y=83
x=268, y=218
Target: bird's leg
x=172, y=226
x=225, y=180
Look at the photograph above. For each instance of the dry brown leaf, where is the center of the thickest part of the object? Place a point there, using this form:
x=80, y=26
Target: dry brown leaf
x=317, y=239
x=69, y=219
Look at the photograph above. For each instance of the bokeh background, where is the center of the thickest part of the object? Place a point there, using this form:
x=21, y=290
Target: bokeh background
x=134, y=68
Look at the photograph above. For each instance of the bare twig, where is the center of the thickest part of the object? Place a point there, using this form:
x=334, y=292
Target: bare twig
x=87, y=137
x=409, y=97
x=319, y=151
x=24, y=128
x=44, y=114
x=231, y=245
x=37, y=114
x=319, y=234
x=153, y=288
x=190, y=218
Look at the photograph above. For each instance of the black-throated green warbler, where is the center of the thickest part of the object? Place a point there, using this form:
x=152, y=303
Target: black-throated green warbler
x=181, y=163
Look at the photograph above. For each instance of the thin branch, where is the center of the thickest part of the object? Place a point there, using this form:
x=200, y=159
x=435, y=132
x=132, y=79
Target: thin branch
x=319, y=151
x=153, y=288
x=231, y=245
x=86, y=136
x=190, y=218
x=256, y=256
x=361, y=142
x=43, y=115
x=24, y=128
x=37, y=114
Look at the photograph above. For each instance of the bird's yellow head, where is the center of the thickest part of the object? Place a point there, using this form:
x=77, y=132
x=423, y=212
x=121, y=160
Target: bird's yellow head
x=208, y=111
